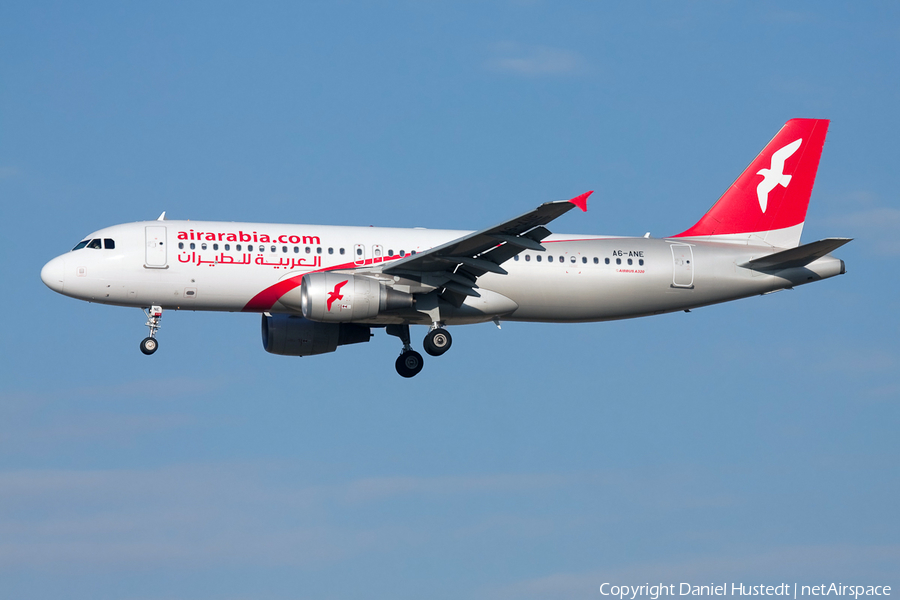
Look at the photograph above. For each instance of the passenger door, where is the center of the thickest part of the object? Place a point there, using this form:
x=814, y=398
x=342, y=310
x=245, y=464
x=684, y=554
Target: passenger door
x=155, y=251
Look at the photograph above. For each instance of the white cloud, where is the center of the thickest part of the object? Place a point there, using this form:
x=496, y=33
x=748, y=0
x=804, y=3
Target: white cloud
x=34, y=421
x=787, y=17
x=876, y=218
x=367, y=490
x=211, y=514
x=175, y=388
x=89, y=427
x=535, y=61
x=787, y=563
x=874, y=227
x=164, y=389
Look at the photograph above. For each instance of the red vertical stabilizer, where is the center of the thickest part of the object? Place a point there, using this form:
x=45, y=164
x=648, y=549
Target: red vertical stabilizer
x=768, y=202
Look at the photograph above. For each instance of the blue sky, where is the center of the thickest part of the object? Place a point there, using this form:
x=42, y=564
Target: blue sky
x=753, y=441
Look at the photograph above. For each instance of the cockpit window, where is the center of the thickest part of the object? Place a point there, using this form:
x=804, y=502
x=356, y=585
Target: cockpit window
x=80, y=245
x=95, y=244
x=109, y=244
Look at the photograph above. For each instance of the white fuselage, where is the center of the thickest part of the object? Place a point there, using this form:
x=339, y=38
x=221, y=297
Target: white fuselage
x=256, y=267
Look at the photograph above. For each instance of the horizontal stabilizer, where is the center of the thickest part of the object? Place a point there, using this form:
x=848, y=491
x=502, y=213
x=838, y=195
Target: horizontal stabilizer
x=796, y=257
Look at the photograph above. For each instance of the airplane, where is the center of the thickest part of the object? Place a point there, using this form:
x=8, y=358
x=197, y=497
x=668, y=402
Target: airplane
x=321, y=287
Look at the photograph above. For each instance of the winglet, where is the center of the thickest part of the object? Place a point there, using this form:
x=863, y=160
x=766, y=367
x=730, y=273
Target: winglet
x=581, y=201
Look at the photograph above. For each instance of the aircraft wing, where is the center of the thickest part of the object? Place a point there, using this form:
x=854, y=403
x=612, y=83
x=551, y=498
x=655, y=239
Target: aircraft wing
x=457, y=264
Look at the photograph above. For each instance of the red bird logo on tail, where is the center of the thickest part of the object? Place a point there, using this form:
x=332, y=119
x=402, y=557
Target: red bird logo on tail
x=335, y=295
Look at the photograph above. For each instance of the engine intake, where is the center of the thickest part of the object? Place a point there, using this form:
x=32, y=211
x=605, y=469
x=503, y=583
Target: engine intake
x=295, y=336
x=332, y=297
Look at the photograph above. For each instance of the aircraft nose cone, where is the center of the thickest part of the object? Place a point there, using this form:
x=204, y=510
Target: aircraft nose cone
x=52, y=274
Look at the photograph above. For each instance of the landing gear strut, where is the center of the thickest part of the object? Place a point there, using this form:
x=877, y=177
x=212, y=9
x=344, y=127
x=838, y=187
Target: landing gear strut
x=149, y=344
x=410, y=362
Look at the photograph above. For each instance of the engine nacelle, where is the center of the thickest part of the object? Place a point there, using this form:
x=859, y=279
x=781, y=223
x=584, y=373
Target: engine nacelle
x=296, y=336
x=334, y=297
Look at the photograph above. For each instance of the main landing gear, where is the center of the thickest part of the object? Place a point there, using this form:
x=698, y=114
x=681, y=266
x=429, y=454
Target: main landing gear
x=410, y=362
x=149, y=344
x=437, y=341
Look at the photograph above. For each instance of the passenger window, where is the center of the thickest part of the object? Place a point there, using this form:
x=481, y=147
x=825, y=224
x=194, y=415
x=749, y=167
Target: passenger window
x=629, y=261
x=274, y=249
x=296, y=249
x=227, y=246
x=641, y=262
x=193, y=246
x=527, y=258
x=109, y=244
x=215, y=246
x=238, y=248
x=203, y=246
x=331, y=251
x=95, y=244
x=342, y=250
x=583, y=259
x=390, y=252
x=359, y=251
x=319, y=250
x=606, y=260
x=411, y=252
x=80, y=245
x=618, y=261
x=538, y=258
x=562, y=259
x=402, y=253
x=181, y=245
x=549, y=258
x=516, y=258
x=597, y=260
x=308, y=250
x=249, y=247
x=284, y=248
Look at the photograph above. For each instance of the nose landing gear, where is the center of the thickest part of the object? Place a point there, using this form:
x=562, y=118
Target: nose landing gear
x=149, y=344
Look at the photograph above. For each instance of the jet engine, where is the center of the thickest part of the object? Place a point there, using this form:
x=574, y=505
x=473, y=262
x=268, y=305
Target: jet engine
x=333, y=297
x=295, y=336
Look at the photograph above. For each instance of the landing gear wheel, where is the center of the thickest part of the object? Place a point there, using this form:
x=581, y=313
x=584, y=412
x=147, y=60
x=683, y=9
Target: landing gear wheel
x=149, y=345
x=409, y=364
x=437, y=341
x=154, y=315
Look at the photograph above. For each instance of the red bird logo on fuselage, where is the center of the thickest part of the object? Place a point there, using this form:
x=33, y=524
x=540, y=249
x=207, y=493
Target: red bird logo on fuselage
x=336, y=294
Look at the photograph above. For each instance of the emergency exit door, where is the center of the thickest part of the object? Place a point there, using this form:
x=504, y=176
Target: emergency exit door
x=682, y=266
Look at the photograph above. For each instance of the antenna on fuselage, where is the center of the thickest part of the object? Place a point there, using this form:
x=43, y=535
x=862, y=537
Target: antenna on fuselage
x=162, y=217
